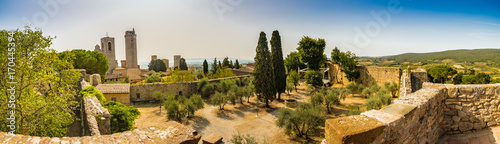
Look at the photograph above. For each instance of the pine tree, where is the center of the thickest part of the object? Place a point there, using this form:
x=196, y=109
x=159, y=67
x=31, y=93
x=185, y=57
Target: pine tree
x=264, y=74
x=278, y=63
x=205, y=66
x=183, y=64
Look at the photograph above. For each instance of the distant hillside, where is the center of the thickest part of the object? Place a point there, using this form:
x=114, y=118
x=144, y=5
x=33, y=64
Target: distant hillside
x=463, y=55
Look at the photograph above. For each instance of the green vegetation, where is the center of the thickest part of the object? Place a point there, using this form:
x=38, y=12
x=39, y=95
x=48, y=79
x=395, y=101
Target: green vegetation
x=122, y=116
x=221, y=73
x=205, y=66
x=328, y=99
x=44, y=87
x=179, y=76
x=303, y=121
x=92, y=61
x=237, y=64
x=242, y=139
x=348, y=62
x=293, y=62
x=227, y=90
x=314, y=78
x=479, y=78
x=152, y=77
x=263, y=73
x=353, y=110
x=293, y=77
x=392, y=88
x=463, y=55
x=183, y=64
x=157, y=65
x=278, y=64
x=180, y=107
x=441, y=73
x=311, y=52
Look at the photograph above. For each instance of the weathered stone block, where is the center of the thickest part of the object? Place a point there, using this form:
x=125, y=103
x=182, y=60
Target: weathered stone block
x=466, y=90
x=465, y=126
x=353, y=129
x=478, y=126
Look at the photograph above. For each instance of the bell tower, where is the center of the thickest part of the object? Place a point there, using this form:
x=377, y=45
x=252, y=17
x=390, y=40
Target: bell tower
x=131, y=49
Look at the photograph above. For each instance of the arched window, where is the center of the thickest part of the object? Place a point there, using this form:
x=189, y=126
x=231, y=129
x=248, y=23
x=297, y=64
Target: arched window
x=109, y=46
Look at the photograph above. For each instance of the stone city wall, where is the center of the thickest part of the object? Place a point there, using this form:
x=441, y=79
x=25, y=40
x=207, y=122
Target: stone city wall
x=97, y=120
x=144, y=92
x=422, y=116
x=367, y=74
x=469, y=107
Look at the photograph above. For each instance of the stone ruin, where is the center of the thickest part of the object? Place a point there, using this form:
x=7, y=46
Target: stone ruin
x=422, y=116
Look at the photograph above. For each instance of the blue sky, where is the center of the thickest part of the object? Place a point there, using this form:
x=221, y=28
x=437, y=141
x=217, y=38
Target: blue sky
x=218, y=28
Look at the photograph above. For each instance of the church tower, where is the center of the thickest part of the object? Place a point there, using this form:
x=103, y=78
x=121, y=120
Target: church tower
x=131, y=49
x=108, y=49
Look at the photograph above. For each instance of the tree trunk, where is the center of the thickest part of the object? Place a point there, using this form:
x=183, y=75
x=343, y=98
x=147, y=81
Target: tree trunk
x=279, y=96
x=267, y=103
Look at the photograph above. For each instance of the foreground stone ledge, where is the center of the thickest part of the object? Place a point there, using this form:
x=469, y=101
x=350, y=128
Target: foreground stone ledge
x=175, y=133
x=353, y=129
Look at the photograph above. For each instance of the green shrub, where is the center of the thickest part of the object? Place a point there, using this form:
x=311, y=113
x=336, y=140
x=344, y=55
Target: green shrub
x=178, y=108
x=219, y=99
x=92, y=91
x=373, y=103
x=122, y=116
x=242, y=139
x=314, y=78
x=303, y=121
x=152, y=77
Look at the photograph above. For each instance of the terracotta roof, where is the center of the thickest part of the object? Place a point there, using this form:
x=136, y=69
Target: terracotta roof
x=114, y=88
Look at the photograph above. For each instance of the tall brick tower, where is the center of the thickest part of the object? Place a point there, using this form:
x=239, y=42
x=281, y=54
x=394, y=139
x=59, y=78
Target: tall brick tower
x=108, y=49
x=131, y=49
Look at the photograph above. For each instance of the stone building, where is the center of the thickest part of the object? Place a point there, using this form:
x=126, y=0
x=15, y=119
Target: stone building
x=177, y=60
x=154, y=57
x=108, y=49
x=166, y=63
x=131, y=49
x=116, y=92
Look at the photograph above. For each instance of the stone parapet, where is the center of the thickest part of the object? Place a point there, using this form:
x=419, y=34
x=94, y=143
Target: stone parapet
x=423, y=116
x=174, y=133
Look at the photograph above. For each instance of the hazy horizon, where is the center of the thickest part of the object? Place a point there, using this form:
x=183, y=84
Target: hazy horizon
x=219, y=28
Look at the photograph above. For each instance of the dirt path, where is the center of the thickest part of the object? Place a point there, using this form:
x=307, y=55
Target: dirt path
x=241, y=118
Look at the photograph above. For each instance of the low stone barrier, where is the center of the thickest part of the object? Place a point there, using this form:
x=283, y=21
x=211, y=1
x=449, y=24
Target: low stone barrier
x=422, y=116
x=174, y=133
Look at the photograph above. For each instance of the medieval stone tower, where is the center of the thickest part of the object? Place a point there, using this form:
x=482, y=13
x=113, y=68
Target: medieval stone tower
x=131, y=49
x=177, y=60
x=108, y=49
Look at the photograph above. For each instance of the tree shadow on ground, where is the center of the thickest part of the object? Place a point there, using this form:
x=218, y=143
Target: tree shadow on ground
x=199, y=123
x=224, y=114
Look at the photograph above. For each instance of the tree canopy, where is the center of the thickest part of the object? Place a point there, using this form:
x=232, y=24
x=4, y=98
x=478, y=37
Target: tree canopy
x=311, y=52
x=205, y=66
x=441, y=73
x=348, y=62
x=157, y=65
x=92, y=61
x=44, y=85
x=183, y=64
x=293, y=62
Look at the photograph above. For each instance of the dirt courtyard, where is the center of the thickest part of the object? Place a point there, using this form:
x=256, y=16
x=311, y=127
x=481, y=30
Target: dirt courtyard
x=247, y=118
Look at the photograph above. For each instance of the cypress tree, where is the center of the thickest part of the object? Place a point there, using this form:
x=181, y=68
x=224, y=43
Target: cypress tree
x=214, y=66
x=237, y=65
x=205, y=66
x=263, y=73
x=278, y=63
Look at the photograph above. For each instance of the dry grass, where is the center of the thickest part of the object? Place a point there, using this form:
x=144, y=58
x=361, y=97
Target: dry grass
x=242, y=118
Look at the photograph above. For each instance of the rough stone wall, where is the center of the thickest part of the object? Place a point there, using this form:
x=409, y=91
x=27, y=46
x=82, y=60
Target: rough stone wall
x=405, y=83
x=367, y=74
x=95, y=79
x=418, y=77
x=413, y=118
x=173, y=133
x=144, y=92
x=92, y=109
x=469, y=107
x=422, y=116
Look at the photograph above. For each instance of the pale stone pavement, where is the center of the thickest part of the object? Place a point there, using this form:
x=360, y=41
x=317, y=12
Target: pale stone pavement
x=485, y=136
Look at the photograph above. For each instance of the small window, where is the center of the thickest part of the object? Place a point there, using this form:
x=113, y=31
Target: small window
x=109, y=46
x=180, y=92
x=113, y=99
x=138, y=96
